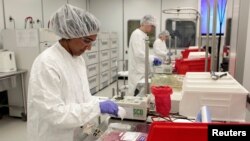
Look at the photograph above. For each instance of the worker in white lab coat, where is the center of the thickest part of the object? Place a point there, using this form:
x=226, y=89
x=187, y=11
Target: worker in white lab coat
x=59, y=99
x=159, y=46
x=136, y=53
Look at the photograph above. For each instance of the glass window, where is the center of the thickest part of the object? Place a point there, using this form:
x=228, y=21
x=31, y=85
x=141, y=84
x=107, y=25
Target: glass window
x=185, y=31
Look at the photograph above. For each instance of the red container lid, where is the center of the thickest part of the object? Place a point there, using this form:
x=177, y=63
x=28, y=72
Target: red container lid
x=158, y=90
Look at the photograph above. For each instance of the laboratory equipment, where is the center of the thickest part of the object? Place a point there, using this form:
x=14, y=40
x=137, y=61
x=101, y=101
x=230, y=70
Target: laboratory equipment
x=136, y=107
x=215, y=76
x=164, y=68
x=225, y=97
x=7, y=61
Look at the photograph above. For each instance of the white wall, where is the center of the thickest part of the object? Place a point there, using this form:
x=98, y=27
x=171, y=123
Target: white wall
x=1, y=22
x=50, y=6
x=20, y=9
x=38, y=9
x=233, y=43
x=239, y=39
x=246, y=79
x=78, y=3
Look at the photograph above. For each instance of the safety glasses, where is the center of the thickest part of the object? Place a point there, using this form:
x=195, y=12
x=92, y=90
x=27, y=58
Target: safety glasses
x=88, y=41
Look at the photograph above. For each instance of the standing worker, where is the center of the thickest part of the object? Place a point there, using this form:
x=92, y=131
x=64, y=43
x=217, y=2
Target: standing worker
x=159, y=46
x=59, y=99
x=136, y=58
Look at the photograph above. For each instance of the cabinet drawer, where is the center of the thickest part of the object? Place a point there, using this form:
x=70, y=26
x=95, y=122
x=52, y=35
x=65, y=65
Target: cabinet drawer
x=92, y=70
x=104, y=66
x=104, y=84
x=104, y=55
x=113, y=74
x=113, y=43
x=104, y=44
x=91, y=58
x=113, y=62
x=104, y=76
x=113, y=53
x=93, y=81
x=7, y=83
x=94, y=90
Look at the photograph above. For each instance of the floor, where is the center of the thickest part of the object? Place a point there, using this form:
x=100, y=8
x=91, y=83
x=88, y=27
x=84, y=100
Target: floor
x=14, y=129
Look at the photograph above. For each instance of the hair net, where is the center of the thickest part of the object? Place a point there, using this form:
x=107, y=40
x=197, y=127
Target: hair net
x=72, y=22
x=148, y=20
x=164, y=33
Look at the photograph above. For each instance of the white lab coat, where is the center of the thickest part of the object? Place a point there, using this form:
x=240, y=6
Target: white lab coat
x=136, y=59
x=160, y=49
x=59, y=100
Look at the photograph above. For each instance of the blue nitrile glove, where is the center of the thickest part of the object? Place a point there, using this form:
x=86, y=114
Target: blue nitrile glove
x=157, y=62
x=109, y=107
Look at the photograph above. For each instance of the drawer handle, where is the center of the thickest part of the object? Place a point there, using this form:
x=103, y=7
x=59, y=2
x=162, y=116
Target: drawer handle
x=92, y=56
x=104, y=54
x=92, y=81
x=93, y=68
x=105, y=64
x=104, y=43
x=104, y=75
x=5, y=78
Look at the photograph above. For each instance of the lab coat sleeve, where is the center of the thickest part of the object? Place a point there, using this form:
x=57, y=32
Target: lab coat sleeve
x=139, y=52
x=46, y=95
x=157, y=49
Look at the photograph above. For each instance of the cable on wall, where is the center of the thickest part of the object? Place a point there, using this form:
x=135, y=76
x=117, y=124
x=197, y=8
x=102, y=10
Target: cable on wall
x=4, y=21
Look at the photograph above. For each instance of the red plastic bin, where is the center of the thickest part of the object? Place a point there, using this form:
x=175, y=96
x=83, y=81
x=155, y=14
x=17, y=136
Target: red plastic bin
x=171, y=131
x=193, y=65
x=186, y=52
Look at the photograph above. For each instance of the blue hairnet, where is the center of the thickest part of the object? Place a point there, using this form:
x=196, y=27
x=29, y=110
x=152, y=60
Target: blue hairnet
x=72, y=22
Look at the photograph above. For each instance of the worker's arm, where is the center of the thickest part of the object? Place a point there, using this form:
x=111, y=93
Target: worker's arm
x=157, y=49
x=138, y=47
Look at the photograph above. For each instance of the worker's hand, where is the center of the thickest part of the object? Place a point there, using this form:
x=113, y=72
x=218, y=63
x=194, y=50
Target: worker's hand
x=109, y=107
x=157, y=62
x=169, y=53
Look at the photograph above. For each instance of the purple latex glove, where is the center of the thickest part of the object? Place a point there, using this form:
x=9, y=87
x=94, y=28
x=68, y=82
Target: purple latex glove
x=109, y=107
x=157, y=62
